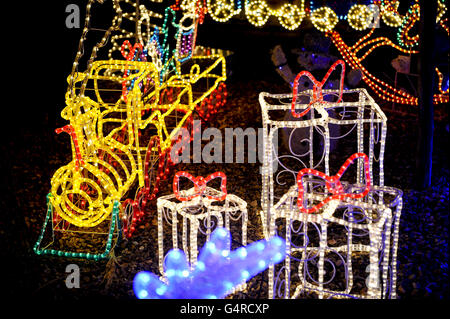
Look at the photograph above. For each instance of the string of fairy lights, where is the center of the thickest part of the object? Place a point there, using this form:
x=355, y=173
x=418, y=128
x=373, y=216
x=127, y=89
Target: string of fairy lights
x=324, y=18
x=360, y=17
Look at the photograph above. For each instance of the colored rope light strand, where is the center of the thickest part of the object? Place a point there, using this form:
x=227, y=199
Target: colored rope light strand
x=403, y=37
x=200, y=10
x=382, y=41
x=317, y=89
x=442, y=23
x=90, y=256
x=145, y=195
x=333, y=184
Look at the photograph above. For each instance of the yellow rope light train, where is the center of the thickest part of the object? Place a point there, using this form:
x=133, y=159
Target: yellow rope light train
x=122, y=122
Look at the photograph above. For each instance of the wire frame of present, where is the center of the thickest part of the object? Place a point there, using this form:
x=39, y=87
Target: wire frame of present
x=321, y=140
x=348, y=250
x=188, y=225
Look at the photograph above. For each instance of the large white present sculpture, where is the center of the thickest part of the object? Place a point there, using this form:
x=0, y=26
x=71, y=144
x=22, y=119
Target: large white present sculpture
x=341, y=236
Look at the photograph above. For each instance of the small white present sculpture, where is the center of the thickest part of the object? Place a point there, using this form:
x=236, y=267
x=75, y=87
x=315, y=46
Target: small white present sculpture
x=194, y=213
x=348, y=226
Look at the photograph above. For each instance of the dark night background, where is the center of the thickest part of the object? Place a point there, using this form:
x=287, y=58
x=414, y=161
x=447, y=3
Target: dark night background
x=39, y=52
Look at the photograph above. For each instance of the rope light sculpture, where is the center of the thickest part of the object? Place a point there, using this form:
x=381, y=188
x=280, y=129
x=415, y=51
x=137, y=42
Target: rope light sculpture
x=359, y=261
x=123, y=122
x=218, y=272
x=196, y=212
x=333, y=224
x=353, y=110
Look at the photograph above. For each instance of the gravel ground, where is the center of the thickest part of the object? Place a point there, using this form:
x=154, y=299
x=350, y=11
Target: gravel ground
x=35, y=153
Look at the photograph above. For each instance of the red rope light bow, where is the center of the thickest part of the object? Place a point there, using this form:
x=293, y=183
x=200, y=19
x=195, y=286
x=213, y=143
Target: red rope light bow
x=317, y=89
x=70, y=130
x=200, y=185
x=333, y=184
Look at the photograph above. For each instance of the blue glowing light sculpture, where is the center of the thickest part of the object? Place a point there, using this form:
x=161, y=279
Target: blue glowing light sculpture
x=217, y=272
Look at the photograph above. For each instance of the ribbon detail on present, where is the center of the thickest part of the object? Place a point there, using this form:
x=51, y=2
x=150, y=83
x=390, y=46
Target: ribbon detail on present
x=200, y=186
x=317, y=88
x=333, y=184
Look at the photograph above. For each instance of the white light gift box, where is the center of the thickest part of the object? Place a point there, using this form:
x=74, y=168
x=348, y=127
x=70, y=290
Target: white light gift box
x=341, y=238
x=346, y=250
x=314, y=129
x=191, y=216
